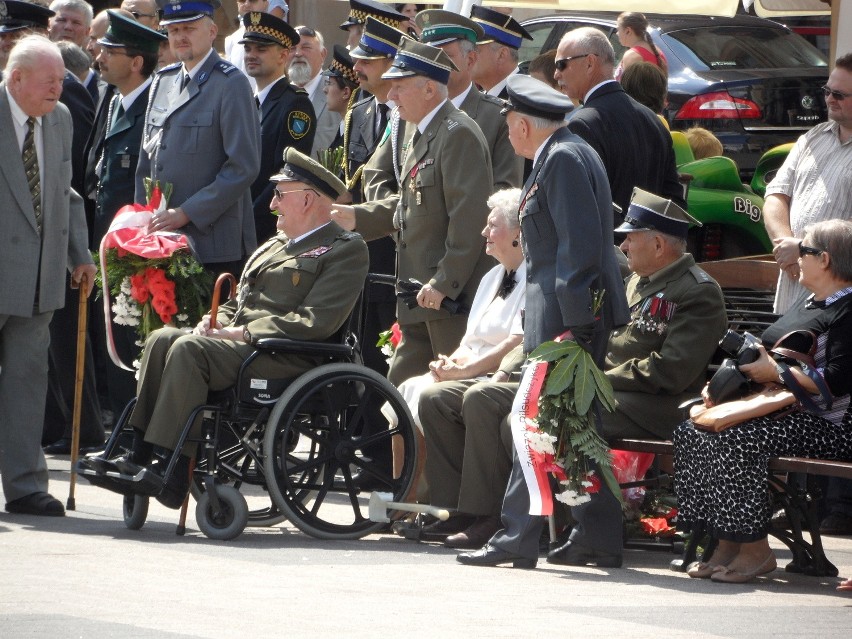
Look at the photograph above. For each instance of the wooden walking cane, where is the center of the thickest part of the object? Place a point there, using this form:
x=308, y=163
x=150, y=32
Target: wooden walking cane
x=214, y=310
x=78, y=387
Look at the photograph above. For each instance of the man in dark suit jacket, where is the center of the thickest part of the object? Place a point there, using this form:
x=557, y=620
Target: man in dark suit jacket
x=43, y=234
x=202, y=135
x=566, y=226
x=635, y=147
x=286, y=114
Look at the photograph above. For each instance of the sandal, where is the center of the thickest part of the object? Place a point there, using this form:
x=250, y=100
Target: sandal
x=728, y=576
x=39, y=503
x=702, y=570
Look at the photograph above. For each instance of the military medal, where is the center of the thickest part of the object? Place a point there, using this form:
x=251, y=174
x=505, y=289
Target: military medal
x=653, y=314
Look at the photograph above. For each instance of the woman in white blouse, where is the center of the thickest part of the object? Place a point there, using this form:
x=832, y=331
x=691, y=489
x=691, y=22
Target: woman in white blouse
x=494, y=324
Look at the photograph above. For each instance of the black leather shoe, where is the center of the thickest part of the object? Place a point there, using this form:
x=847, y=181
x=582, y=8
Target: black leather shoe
x=63, y=447
x=490, y=555
x=573, y=554
x=175, y=489
x=39, y=503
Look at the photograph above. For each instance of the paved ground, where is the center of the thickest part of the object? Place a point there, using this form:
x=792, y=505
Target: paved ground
x=87, y=576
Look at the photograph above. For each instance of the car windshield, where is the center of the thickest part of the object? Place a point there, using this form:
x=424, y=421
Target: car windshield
x=746, y=48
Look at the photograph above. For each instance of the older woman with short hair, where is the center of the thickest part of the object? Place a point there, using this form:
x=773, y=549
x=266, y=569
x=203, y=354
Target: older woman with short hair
x=494, y=324
x=721, y=478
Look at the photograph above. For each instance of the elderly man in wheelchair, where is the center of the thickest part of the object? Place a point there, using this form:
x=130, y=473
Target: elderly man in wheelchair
x=301, y=285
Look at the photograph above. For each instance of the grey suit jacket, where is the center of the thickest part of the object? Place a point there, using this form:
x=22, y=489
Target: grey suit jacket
x=64, y=241
x=205, y=140
x=328, y=122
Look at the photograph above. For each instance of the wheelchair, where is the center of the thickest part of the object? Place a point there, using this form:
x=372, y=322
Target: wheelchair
x=297, y=449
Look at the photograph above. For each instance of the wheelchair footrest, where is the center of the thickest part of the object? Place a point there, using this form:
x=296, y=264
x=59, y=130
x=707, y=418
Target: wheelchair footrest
x=146, y=482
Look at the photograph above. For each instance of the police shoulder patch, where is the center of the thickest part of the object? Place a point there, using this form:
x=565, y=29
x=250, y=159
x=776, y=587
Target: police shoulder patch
x=298, y=124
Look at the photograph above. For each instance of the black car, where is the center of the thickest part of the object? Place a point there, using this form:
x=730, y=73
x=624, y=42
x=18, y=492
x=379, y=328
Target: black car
x=752, y=82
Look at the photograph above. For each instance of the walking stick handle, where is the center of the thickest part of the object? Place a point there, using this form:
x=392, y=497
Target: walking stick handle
x=217, y=291
x=78, y=387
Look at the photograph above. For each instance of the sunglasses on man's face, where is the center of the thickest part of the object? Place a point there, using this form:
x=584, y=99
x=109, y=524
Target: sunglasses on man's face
x=563, y=62
x=837, y=95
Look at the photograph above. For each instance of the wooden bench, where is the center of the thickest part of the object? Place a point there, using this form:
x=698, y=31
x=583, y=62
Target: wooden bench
x=748, y=286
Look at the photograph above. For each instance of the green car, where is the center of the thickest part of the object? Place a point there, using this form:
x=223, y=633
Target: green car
x=731, y=212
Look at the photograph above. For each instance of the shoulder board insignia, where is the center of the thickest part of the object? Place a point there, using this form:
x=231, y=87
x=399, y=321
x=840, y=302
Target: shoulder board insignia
x=452, y=124
x=170, y=67
x=300, y=90
x=225, y=67
x=349, y=235
x=493, y=99
x=315, y=252
x=700, y=274
x=298, y=124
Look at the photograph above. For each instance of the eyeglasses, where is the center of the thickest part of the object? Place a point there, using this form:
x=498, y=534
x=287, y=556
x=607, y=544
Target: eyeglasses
x=138, y=14
x=110, y=51
x=809, y=250
x=561, y=64
x=306, y=31
x=837, y=95
x=280, y=194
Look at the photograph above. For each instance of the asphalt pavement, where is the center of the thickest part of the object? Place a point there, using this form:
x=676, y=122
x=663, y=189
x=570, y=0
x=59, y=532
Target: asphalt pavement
x=86, y=575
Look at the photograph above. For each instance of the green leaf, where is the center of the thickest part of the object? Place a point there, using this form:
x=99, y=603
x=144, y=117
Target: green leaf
x=551, y=351
x=584, y=384
x=559, y=377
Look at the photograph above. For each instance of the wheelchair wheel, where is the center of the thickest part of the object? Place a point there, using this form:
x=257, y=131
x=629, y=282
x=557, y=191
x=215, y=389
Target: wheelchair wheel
x=231, y=519
x=326, y=412
x=238, y=469
x=135, y=511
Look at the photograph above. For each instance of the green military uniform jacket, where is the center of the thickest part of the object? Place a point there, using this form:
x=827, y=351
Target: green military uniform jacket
x=445, y=182
x=660, y=358
x=303, y=290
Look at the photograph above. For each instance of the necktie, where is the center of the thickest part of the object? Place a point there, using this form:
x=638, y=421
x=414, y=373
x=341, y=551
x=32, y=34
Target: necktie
x=30, y=158
x=184, y=80
x=257, y=102
x=117, y=114
x=382, y=119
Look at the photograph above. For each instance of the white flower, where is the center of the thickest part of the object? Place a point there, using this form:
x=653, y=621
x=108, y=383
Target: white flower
x=387, y=350
x=540, y=442
x=572, y=497
x=182, y=317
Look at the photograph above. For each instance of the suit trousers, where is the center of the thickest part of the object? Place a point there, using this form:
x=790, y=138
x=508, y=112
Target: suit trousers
x=469, y=455
x=599, y=521
x=421, y=343
x=179, y=369
x=23, y=387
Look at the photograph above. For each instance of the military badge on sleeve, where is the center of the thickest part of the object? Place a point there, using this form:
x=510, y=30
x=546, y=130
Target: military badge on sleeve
x=298, y=124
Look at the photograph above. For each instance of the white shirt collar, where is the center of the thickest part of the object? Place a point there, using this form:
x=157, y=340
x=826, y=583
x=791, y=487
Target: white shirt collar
x=461, y=97
x=313, y=83
x=261, y=95
x=497, y=88
x=128, y=100
x=198, y=66
x=427, y=119
x=311, y=232
x=595, y=88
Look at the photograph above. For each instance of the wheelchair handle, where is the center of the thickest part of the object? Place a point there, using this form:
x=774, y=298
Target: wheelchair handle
x=217, y=291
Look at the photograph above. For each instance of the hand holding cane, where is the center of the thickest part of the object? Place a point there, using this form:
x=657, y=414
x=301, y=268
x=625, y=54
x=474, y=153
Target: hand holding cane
x=78, y=387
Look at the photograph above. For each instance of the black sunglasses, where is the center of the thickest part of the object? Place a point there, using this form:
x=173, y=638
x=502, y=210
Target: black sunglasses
x=563, y=62
x=837, y=95
x=307, y=32
x=809, y=250
x=139, y=14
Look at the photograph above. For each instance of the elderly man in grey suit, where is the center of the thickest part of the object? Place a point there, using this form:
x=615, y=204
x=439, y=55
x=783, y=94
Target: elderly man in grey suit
x=202, y=134
x=305, y=71
x=42, y=232
x=566, y=227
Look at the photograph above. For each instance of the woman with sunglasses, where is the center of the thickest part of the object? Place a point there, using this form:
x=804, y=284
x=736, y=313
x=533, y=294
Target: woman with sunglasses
x=721, y=478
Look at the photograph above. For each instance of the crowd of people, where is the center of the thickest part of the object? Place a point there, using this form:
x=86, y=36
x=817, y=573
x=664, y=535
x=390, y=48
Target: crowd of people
x=494, y=189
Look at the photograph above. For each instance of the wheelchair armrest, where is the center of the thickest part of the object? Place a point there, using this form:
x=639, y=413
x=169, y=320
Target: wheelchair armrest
x=282, y=345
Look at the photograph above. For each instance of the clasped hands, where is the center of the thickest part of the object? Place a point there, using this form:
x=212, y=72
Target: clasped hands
x=234, y=333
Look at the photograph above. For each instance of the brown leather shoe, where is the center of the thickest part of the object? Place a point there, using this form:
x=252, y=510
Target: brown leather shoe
x=477, y=534
x=440, y=530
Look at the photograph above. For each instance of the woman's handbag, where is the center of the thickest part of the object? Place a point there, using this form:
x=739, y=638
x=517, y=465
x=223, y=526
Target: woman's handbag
x=772, y=397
